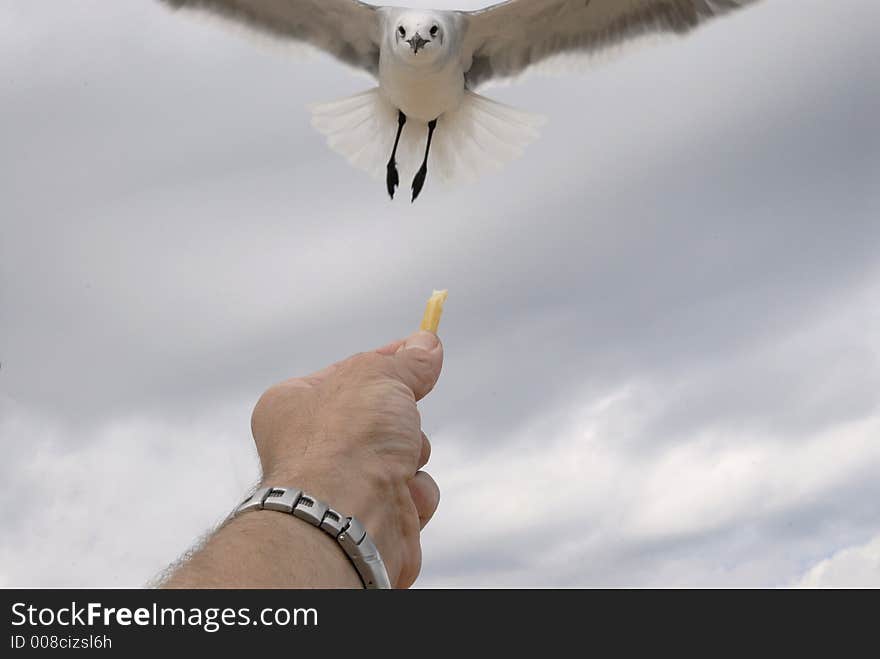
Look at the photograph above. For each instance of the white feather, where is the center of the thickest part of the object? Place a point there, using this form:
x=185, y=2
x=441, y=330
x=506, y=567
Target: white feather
x=479, y=136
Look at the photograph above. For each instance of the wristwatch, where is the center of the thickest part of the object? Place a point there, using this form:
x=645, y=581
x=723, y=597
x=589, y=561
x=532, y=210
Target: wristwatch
x=348, y=532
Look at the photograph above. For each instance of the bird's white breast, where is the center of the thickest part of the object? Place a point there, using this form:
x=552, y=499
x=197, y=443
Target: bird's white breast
x=423, y=93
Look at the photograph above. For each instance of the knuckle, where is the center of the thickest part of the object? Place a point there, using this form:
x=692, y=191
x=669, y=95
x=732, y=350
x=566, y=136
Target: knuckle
x=265, y=403
x=277, y=402
x=419, y=371
x=364, y=362
x=420, y=360
x=426, y=450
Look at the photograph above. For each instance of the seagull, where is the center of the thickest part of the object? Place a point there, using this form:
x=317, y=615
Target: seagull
x=428, y=64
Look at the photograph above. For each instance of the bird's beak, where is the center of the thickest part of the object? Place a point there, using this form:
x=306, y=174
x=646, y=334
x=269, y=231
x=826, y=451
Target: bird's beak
x=416, y=42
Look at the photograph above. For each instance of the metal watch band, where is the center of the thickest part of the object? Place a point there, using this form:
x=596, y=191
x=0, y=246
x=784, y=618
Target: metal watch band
x=348, y=532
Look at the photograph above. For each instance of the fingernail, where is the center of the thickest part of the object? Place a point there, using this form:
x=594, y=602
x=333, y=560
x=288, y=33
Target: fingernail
x=424, y=340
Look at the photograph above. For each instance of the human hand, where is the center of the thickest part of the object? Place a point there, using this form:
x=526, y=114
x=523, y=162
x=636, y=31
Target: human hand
x=351, y=435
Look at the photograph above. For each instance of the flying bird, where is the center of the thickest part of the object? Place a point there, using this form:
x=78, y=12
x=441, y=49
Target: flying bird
x=428, y=64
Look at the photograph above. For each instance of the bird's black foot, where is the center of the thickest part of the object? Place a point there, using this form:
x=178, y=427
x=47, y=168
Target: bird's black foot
x=419, y=181
x=392, y=180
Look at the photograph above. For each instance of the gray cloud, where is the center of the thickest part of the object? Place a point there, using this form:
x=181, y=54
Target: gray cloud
x=698, y=221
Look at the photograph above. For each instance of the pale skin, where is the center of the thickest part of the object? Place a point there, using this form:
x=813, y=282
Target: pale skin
x=350, y=435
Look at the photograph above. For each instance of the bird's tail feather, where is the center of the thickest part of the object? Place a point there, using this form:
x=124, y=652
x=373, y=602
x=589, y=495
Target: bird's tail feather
x=479, y=136
x=360, y=128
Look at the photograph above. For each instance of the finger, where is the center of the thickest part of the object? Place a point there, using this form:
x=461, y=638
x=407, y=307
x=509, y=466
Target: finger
x=426, y=451
x=425, y=495
x=417, y=362
x=319, y=376
x=391, y=348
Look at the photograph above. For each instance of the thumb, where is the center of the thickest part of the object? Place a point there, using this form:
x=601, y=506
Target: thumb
x=417, y=362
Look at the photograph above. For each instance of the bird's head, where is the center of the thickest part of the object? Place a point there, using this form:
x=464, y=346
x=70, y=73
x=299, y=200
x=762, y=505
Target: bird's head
x=420, y=37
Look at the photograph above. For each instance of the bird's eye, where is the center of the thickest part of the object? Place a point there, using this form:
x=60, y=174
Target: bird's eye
x=434, y=30
x=401, y=31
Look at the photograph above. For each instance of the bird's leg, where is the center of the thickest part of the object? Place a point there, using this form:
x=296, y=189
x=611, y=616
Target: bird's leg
x=419, y=180
x=392, y=180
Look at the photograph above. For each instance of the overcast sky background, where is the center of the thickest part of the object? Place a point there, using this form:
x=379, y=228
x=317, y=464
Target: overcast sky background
x=662, y=336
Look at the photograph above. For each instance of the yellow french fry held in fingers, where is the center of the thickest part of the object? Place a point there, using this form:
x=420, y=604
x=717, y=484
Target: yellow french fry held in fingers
x=433, y=311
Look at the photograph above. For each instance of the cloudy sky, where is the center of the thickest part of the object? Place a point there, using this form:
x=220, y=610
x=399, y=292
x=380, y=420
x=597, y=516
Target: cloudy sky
x=662, y=336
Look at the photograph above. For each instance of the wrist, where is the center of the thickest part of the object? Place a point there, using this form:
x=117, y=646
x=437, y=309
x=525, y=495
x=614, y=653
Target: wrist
x=263, y=549
x=346, y=530
x=354, y=494
x=298, y=542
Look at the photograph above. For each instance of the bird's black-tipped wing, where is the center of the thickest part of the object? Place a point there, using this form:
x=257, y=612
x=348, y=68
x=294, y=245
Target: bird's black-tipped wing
x=347, y=29
x=507, y=38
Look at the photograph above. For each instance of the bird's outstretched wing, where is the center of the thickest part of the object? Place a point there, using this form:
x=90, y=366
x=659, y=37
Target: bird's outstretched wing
x=507, y=38
x=347, y=29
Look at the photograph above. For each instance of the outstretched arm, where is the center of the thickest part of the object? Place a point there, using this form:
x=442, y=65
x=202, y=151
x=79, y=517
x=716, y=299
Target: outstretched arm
x=351, y=436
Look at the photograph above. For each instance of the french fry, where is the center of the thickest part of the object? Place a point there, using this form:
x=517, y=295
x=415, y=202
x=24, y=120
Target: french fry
x=433, y=311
